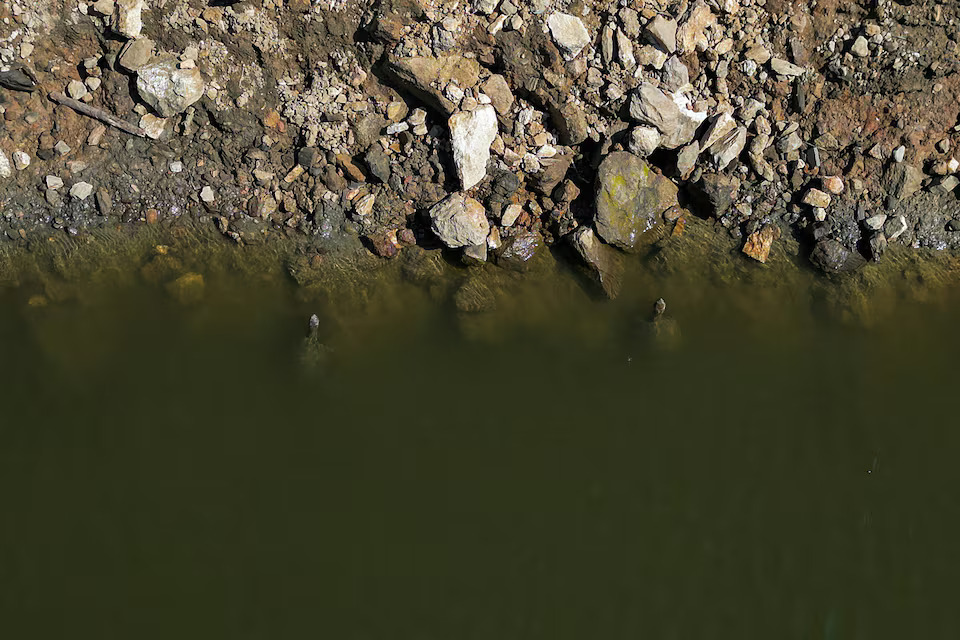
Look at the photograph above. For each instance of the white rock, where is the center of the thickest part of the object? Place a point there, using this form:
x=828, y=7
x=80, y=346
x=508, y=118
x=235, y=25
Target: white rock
x=510, y=215
x=784, y=68
x=644, y=141
x=729, y=147
x=20, y=160
x=76, y=89
x=168, y=89
x=81, y=190
x=663, y=31
x=128, y=17
x=207, y=195
x=569, y=33
x=176, y=166
x=53, y=182
x=459, y=221
x=472, y=133
x=6, y=169
x=860, y=47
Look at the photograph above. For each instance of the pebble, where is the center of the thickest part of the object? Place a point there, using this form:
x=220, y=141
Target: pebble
x=899, y=153
x=207, y=195
x=76, y=89
x=860, y=47
x=20, y=160
x=153, y=125
x=817, y=198
x=176, y=166
x=62, y=148
x=833, y=184
x=6, y=169
x=53, y=182
x=81, y=190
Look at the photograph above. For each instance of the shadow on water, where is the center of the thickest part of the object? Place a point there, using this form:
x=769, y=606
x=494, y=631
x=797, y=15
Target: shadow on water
x=522, y=460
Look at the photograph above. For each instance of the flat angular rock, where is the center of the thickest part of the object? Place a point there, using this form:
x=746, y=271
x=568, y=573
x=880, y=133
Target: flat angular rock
x=459, y=221
x=472, y=133
x=568, y=33
x=497, y=89
x=630, y=200
x=721, y=126
x=729, y=147
x=168, y=89
x=136, y=54
x=604, y=262
x=6, y=169
x=759, y=243
x=784, y=68
x=420, y=74
x=663, y=32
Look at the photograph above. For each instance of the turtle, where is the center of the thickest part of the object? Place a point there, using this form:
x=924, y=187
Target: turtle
x=314, y=353
x=661, y=331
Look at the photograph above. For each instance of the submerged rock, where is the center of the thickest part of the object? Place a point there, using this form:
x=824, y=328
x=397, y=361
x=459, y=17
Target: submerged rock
x=604, y=262
x=758, y=243
x=459, y=221
x=472, y=133
x=518, y=252
x=168, y=89
x=630, y=200
x=832, y=257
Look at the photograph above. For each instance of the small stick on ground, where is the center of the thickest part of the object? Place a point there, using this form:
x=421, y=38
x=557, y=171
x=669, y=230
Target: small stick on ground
x=97, y=114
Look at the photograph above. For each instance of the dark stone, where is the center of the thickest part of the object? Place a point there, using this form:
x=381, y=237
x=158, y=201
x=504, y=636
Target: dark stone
x=308, y=157
x=832, y=257
x=379, y=163
x=333, y=180
x=604, y=261
x=878, y=245
x=716, y=193
x=553, y=172
x=368, y=128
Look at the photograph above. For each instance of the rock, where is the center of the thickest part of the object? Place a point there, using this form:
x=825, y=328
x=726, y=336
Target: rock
x=728, y=148
x=135, y=54
x=903, y=180
x=53, y=182
x=153, y=125
x=860, y=47
x=716, y=193
x=187, y=289
x=517, y=253
x=419, y=74
x=875, y=223
x=832, y=257
x=833, y=184
x=878, y=246
x=81, y=190
x=459, y=221
x=128, y=18
x=570, y=121
x=168, y=89
x=946, y=184
x=758, y=243
x=61, y=148
x=363, y=206
x=552, y=171
x=678, y=125
x=784, y=68
x=384, y=243
x=568, y=33
x=721, y=125
x=510, y=215
x=378, y=162
x=817, y=198
x=692, y=35
x=604, y=262
x=687, y=159
x=367, y=129
x=895, y=227
x=104, y=7
x=207, y=195
x=20, y=160
x=663, y=33
x=644, y=141
x=472, y=133
x=630, y=200
x=76, y=89
x=497, y=89
x=6, y=169
x=675, y=75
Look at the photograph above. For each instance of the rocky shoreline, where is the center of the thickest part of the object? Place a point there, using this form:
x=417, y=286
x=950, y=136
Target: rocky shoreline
x=496, y=131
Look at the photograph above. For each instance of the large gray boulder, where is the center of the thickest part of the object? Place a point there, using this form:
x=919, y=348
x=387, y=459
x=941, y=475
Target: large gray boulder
x=459, y=221
x=630, y=201
x=168, y=89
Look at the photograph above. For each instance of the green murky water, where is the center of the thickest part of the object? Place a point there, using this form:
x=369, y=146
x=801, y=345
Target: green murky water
x=536, y=470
